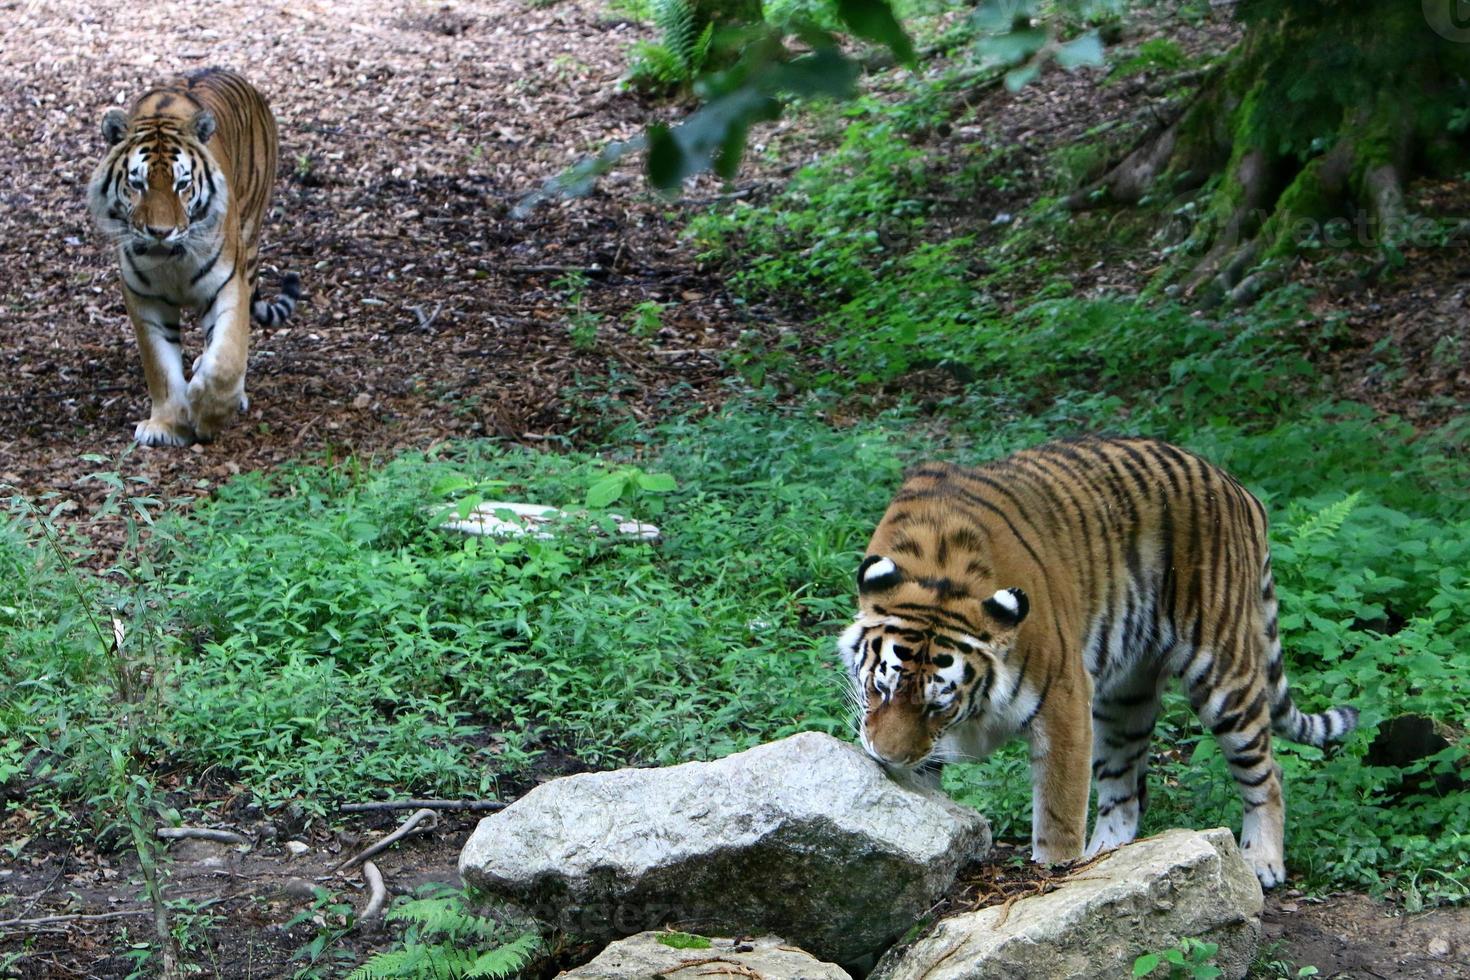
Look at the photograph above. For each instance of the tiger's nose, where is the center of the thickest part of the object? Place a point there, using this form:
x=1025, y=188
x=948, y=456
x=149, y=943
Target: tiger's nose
x=158, y=233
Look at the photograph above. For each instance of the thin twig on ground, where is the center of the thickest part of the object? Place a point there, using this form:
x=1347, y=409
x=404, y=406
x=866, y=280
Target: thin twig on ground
x=472, y=805
x=46, y=920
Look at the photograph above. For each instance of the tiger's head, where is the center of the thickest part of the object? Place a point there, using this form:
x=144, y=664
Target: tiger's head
x=157, y=183
x=923, y=655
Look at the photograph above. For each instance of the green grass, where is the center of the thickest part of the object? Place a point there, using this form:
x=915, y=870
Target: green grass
x=326, y=642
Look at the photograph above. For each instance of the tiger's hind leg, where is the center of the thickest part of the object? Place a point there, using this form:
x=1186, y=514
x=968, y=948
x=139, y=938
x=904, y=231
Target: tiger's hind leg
x=217, y=389
x=1237, y=712
x=1123, y=720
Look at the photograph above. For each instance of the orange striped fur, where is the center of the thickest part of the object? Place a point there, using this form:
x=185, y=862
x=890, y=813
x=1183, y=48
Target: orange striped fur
x=183, y=191
x=1052, y=595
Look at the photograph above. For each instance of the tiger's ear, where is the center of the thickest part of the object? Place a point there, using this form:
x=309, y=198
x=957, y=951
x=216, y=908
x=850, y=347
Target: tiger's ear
x=204, y=125
x=1008, y=606
x=878, y=574
x=114, y=126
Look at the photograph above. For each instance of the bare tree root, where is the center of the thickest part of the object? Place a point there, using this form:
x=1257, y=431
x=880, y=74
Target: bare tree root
x=421, y=821
x=377, y=894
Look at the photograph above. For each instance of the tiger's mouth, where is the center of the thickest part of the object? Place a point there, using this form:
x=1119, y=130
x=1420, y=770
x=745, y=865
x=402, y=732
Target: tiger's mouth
x=154, y=249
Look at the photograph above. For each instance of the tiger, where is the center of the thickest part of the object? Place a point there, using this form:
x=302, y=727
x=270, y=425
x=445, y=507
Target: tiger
x=1053, y=595
x=182, y=191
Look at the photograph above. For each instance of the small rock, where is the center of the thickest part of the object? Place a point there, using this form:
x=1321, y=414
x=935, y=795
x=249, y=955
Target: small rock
x=1439, y=947
x=296, y=847
x=649, y=956
x=296, y=890
x=362, y=401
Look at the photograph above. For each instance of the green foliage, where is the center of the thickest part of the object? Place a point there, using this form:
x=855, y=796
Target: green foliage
x=683, y=940
x=323, y=954
x=445, y=940
x=631, y=485
x=680, y=53
x=1190, y=960
x=1154, y=55
x=646, y=319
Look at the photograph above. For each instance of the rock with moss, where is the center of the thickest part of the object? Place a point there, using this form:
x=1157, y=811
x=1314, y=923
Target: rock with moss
x=653, y=955
x=1146, y=897
x=806, y=837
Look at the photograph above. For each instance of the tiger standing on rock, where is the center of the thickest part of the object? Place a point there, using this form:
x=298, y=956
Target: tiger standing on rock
x=1053, y=594
x=183, y=191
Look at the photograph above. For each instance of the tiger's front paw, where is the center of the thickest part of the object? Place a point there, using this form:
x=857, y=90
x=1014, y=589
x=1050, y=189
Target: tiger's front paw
x=157, y=432
x=1043, y=853
x=1269, y=866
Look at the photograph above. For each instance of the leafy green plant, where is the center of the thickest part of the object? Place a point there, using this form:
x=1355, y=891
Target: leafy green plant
x=1190, y=960
x=112, y=625
x=630, y=484
x=323, y=955
x=646, y=319
x=444, y=940
x=1155, y=54
x=581, y=322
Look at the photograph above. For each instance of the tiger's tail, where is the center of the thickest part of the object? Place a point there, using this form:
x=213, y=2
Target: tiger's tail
x=1332, y=725
x=272, y=312
x=1287, y=720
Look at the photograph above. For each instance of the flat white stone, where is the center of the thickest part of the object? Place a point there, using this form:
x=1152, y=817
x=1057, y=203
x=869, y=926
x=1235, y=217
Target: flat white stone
x=500, y=518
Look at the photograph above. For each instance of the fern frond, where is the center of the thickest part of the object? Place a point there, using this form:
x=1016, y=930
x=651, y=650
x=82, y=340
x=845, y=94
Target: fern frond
x=445, y=917
x=409, y=961
x=702, y=47
x=1326, y=522
x=417, y=961
x=507, y=960
x=678, y=30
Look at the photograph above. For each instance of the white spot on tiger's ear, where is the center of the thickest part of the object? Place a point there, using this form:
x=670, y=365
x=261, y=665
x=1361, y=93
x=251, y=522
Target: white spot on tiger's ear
x=879, y=568
x=878, y=573
x=1009, y=606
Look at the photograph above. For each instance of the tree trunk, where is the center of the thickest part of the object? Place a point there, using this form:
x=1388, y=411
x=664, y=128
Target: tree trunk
x=1303, y=136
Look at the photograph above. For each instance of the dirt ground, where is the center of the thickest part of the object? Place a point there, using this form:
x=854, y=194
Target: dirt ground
x=409, y=131
x=408, y=134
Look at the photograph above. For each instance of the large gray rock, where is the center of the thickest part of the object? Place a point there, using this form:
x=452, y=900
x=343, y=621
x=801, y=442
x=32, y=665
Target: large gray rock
x=1142, y=898
x=645, y=957
x=806, y=837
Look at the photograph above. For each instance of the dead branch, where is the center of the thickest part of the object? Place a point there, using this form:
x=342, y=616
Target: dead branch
x=534, y=270
x=428, y=818
x=475, y=806
x=202, y=833
x=47, y=920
